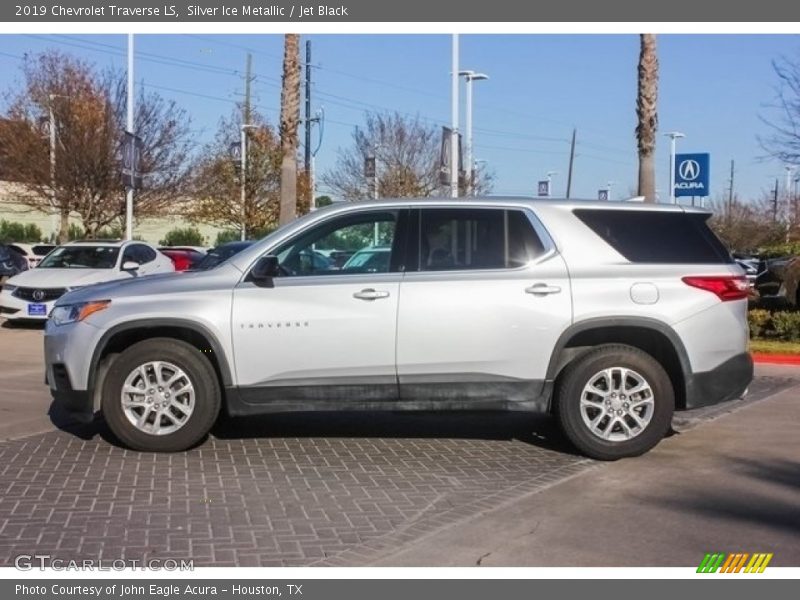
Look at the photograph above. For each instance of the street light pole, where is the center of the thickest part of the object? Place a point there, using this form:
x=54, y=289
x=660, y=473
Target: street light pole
x=52, y=152
x=243, y=178
x=550, y=183
x=673, y=135
x=454, y=128
x=470, y=76
x=129, y=128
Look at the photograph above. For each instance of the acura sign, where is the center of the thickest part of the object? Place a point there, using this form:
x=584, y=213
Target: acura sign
x=692, y=174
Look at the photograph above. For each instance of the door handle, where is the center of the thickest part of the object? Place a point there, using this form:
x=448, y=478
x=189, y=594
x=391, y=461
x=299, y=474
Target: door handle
x=370, y=294
x=542, y=289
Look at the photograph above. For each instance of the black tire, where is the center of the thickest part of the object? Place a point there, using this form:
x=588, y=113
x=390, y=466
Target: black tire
x=577, y=375
x=200, y=372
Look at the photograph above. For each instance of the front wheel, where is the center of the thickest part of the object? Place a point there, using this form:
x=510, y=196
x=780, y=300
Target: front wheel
x=161, y=395
x=614, y=401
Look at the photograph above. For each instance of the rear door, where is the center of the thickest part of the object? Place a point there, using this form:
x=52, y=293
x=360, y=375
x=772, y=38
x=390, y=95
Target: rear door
x=483, y=301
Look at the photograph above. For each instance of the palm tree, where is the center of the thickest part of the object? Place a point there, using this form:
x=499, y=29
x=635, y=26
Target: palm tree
x=647, y=115
x=290, y=118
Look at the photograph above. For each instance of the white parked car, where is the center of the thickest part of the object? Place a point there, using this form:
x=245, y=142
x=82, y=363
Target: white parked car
x=32, y=293
x=33, y=253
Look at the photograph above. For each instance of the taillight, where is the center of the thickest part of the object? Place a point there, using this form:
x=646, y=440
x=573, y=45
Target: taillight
x=726, y=287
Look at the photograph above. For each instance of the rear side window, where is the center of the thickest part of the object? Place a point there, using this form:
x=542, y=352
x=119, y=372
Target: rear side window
x=657, y=237
x=459, y=239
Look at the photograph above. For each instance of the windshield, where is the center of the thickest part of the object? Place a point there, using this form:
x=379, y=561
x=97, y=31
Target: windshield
x=81, y=257
x=218, y=256
x=42, y=250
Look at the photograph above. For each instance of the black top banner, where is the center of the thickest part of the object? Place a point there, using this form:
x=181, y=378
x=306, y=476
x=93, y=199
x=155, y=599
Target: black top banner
x=151, y=11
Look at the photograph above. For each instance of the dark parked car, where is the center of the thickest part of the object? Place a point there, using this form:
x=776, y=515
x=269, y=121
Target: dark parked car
x=220, y=254
x=11, y=262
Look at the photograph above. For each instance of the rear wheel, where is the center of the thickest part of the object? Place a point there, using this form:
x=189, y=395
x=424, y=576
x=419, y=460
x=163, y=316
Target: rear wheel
x=614, y=401
x=161, y=395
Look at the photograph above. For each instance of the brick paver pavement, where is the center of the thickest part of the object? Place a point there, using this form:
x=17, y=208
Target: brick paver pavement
x=283, y=490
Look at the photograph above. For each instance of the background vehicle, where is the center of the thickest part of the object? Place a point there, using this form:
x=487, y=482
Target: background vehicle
x=183, y=259
x=607, y=315
x=220, y=254
x=369, y=260
x=30, y=295
x=33, y=253
x=790, y=287
x=11, y=263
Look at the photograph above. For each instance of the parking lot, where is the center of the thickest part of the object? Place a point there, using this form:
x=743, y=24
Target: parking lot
x=287, y=490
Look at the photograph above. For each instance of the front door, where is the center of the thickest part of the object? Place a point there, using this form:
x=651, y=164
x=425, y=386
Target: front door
x=326, y=329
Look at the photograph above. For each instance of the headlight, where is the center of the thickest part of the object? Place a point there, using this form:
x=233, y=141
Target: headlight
x=9, y=288
x=71, y=313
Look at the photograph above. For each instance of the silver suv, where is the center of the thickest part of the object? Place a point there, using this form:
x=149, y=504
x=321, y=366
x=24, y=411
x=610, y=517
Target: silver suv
x=608, y=315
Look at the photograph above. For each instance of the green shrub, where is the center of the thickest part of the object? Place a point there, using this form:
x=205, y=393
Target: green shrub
x=11, y=231
x=759, y=321
x=778, y=250
x=234, y=235
x=228, y=235
x=786, y=325
x=186, y=236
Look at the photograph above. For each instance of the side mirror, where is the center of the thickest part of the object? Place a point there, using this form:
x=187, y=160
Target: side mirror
x=265, y=269
x=130, y=265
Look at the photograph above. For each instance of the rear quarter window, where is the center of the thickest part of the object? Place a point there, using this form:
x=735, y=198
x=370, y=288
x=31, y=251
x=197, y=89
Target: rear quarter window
x=657, y=237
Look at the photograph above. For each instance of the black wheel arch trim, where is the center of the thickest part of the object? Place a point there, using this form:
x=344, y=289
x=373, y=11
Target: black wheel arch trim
x=199, y=328
x=555, y=364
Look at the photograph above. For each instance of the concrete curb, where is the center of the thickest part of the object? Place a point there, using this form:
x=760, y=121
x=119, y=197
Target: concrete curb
x=776, y=359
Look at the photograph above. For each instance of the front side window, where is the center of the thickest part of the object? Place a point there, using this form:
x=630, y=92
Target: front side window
x=81, y=257
x=475, y=238
x=352, y=244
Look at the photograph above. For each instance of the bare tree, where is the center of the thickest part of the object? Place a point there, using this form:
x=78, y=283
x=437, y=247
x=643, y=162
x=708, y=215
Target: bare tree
x=88, y=112
x=216, y=189
x=747, y=226
x=290, y=118
x=783, y=142
x=647, y=115
x=406, y=153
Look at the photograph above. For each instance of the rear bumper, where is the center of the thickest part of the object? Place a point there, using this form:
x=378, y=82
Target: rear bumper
x=727, y=381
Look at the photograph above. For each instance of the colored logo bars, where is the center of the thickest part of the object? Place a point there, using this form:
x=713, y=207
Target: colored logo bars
x=734, y=563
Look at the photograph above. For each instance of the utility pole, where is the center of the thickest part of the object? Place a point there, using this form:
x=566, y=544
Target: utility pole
x=730, y=195
x=129, y=128
x=775, y=202
x=789, y=214
x=454, y=162
x=307, y=149
x=248, y=78
x=572, y=162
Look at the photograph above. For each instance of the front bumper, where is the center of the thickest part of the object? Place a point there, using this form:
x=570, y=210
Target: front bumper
x=13, y=308
x=67, y=361
x=727, y=381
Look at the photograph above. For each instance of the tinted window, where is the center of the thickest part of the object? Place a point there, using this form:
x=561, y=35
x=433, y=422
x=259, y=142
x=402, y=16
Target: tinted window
x=220, y=254
x=355, y=243
x=42, y=250
x=467, y=238
x=145, y=253
x=657, y=237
